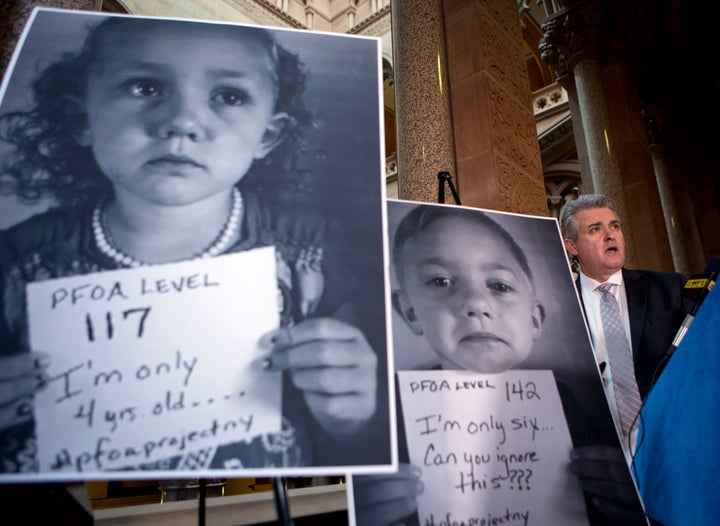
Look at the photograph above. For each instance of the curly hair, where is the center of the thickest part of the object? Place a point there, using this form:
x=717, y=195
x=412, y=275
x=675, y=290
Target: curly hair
x=47, y=161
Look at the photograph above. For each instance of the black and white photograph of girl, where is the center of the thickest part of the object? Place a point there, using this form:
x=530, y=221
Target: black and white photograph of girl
x=128, y=141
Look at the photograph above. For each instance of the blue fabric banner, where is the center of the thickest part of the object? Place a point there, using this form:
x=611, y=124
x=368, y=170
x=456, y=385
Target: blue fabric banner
x=677, y=462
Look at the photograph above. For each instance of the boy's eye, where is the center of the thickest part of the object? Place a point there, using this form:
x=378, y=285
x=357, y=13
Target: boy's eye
x=231, y=97
x=440, y=282
x=144, y=88
x=499, y=286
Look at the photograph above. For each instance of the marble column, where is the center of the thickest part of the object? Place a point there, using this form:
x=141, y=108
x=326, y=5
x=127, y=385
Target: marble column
x=422, y=104
x=653, y=124
x=587, y=186
x=599, y=138
x=570, y=44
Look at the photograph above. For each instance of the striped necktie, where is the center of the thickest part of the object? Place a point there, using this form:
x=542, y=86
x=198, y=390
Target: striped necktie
x=619, y=352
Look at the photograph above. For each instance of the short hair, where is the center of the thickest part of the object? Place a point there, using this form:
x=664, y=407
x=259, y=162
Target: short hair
x=569, y=224
x=423, y=216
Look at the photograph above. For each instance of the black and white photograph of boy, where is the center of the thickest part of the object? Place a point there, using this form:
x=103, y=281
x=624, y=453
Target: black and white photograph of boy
x=488, y=292
x=128, y=141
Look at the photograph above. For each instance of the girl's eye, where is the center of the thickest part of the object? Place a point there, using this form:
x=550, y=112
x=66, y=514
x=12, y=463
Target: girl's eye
x=144, y=88
x=231, y=97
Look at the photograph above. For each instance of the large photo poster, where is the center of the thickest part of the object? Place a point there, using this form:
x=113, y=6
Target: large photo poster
x=498, y=390
x=192, y=252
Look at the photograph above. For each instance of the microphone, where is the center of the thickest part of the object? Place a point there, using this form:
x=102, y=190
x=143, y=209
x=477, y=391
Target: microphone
x=696, y=289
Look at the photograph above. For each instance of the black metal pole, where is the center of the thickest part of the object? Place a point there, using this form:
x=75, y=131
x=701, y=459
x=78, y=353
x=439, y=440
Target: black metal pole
x=201, y=503
x=442, y=178
x=281, y=502
x=454, y=192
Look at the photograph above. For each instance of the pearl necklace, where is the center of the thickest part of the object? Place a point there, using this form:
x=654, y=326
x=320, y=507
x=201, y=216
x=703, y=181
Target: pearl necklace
x=105, y=245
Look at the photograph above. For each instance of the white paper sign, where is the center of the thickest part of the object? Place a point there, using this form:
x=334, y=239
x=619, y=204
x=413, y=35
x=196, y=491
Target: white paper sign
x=493, y=449
x=154, y=362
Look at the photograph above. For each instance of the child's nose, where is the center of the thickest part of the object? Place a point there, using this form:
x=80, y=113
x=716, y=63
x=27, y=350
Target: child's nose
x=181, y=120
x=477, y=305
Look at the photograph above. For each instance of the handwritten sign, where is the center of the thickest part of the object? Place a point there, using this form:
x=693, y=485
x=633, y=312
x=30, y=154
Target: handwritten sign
x=493, y=449
x=154, y=362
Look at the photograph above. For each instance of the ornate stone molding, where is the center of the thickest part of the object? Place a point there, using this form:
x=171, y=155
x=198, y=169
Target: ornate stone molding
x=596, y=29
x=569, y=36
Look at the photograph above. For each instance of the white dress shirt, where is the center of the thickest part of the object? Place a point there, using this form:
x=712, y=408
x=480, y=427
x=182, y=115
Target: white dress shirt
x=591, y=300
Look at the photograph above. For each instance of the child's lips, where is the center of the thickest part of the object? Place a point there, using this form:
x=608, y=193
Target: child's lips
x=481, y=337
x=175, y=161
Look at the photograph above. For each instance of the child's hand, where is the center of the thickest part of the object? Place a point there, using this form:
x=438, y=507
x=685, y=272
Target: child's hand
x=21, y=375
x=382, y=500
x=333, y=365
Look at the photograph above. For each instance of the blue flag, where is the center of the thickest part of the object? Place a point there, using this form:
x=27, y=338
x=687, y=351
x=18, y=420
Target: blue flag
x=677, y=461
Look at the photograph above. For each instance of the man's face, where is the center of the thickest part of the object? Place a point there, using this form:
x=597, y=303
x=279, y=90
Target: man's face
x=176, y=115
x=600, y=245
x=464, y=290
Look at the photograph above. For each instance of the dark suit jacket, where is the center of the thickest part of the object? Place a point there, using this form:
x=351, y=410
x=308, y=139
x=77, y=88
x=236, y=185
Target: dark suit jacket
x=656, y=309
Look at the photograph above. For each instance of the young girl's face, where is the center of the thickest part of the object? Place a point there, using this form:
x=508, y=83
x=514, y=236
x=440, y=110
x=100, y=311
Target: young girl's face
x=465, y=291
x=178, y=113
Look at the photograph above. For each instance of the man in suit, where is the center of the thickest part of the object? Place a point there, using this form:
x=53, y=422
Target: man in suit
x=651, y=303
x=651, y=309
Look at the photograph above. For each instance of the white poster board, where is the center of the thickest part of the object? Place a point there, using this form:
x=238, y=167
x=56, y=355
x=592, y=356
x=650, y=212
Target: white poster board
x=136, y=375
x=176, y=396
x=493, y=449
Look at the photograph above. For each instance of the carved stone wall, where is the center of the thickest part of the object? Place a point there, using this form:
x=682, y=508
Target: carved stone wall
x=496, y=146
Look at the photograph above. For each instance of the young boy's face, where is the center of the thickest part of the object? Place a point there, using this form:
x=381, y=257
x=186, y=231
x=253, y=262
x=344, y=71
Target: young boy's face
x=178, y=114
x=465, y=291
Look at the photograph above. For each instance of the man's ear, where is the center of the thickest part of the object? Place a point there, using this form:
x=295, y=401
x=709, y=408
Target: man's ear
x=273, y=135
x=538, y=318
x=76, y=119
x=402, y=306
x=571, y=247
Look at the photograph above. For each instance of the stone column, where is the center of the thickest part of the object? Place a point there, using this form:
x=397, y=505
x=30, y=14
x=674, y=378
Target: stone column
x=570, y=44
x=422, y=104
x=599, y=137
x=654, y=126
x=587, y=185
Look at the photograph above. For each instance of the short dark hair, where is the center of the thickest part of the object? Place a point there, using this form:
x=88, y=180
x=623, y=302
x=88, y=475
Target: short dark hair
x=422, y=216
x=48, y=161
x=569, y=224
